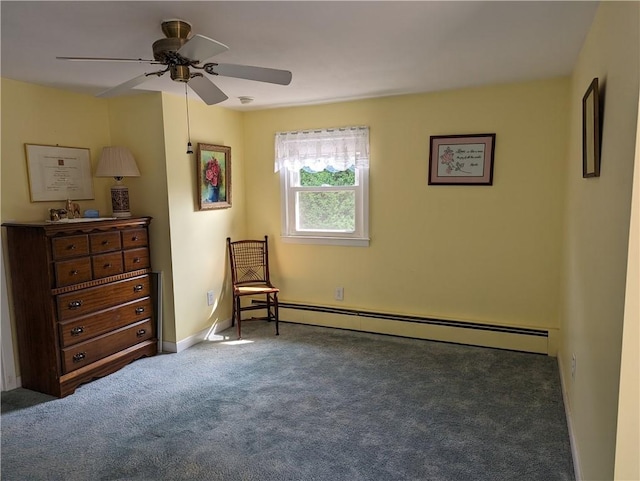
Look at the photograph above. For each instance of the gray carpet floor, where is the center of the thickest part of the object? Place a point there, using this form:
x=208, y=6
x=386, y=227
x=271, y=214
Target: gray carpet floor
x=312, y=404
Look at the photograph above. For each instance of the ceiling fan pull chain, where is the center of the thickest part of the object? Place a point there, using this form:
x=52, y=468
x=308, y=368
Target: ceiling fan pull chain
x=186, y=100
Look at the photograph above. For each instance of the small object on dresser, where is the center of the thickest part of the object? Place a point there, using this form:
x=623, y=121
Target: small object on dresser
x=73, y=209
x=91, y=213
x=54, y=214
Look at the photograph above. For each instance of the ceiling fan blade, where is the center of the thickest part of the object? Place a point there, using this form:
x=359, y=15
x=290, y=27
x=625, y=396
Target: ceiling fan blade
x=261, y=74
x=123, y=87
x=106, y=59
x=199, y=48
x=207, y=90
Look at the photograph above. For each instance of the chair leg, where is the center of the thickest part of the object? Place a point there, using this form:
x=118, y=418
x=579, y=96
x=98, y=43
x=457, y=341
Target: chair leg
x=239, y=319
x=275, y=310
x=269, y=307
x=233, y=312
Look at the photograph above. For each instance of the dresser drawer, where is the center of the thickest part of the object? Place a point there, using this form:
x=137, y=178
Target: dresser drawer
x=70, y=246
x=106, y=265
x=84, y=301
x=135, y=259
x=132, y=238
x=75, y=357
x=105, y=242
x=73, y=271
x=84, y=328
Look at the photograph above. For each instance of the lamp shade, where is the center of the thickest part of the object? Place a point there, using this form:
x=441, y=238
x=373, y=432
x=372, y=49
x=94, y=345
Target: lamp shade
x=117, y=162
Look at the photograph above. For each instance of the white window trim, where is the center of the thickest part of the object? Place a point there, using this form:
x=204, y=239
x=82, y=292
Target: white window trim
x=359, y=238
x=339, y=148
x=330, y=241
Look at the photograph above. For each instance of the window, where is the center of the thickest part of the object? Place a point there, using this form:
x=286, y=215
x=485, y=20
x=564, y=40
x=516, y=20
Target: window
x=324, y=185
x=324, y=180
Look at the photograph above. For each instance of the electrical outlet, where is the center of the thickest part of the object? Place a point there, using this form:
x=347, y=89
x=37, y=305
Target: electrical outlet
x=210, y=299
x=573, y=366
x=339, y=294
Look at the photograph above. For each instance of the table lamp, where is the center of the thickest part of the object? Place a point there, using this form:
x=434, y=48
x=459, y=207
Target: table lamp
x=118, y=162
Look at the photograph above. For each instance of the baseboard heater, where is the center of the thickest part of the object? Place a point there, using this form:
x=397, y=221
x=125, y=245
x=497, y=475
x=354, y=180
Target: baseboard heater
x=417, y=319
x=513, y=331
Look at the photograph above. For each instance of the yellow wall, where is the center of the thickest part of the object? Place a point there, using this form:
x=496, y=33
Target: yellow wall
x=478, y=253
x=188, y=245
x=39, y=115
x=596, y=236
x=627, y=464
x=198, y=237
x=137, y=123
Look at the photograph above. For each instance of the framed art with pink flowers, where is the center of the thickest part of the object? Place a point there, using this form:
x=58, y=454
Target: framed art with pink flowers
x=461, y=159
x=214, y=176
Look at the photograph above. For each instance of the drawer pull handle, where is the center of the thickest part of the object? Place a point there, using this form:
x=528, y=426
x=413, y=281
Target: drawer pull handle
x=74, y=272
x=76, y=331
x=136, y=260
x=139, y=310
x=79, y=357
x=71, y=247
x=75, y=304
x=105, y=242
x=141, y=332
x=107, y=266
x=134, y=238
x=138, y=287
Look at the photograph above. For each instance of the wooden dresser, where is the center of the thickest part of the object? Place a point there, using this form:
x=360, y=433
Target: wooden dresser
x=82, y=299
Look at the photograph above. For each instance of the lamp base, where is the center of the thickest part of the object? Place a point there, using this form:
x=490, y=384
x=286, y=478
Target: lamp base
x=120, y=200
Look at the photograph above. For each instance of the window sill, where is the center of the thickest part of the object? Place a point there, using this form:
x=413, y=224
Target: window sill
x=325, y=240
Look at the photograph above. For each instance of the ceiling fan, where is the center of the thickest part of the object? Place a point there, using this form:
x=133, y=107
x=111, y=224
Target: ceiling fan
x=178, y=54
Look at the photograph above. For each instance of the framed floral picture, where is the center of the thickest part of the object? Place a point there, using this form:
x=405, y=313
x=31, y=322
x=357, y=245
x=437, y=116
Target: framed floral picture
x=461, y=159
x=214, y=176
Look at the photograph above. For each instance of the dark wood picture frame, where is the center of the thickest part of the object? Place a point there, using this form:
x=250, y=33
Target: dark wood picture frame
x=591, y=131
x=213, y=170
x=461, y=159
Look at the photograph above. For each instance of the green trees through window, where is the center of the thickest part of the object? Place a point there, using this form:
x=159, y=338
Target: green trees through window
x=326, y=209
x=310, y=178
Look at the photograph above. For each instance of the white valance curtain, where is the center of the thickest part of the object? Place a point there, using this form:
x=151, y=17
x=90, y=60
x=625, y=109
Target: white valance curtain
x=338, y=148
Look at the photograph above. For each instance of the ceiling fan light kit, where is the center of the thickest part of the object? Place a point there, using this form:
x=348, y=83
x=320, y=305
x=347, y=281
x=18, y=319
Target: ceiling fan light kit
x=179, y=53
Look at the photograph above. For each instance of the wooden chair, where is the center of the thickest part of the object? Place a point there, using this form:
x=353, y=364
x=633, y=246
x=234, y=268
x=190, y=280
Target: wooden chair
x=249, y=261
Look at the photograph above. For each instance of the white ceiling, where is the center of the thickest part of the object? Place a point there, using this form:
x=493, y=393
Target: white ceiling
x=335, y=50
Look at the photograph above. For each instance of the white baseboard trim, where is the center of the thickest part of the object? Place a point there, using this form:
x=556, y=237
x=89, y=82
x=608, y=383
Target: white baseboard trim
x=567, y=410
x=194, y=339
x=14, y=384
x=9, y=379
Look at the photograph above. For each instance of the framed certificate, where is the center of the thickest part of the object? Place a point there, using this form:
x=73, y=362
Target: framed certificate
x=59, y=173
